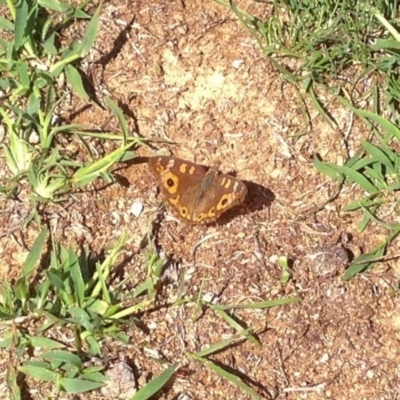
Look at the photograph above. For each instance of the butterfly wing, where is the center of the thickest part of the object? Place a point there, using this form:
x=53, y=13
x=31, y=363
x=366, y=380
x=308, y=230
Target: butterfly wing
x=224, y=193
x=179, y=181
x=174, y=174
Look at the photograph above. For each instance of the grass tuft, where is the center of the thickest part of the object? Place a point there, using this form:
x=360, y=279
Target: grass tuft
x=333, y=46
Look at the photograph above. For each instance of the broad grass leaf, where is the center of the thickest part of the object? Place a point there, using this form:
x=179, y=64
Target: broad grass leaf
x=45, y=343
x=40, y=373
x=34, y=254
x=75, y=80
x=358, y=178
x=90, y=35
x=21, y=22
x=378, y=155
x=155, y=384
x=362, y=262
x=77, y=385
x=63, y=356
x=327, y=169
x=55, y=6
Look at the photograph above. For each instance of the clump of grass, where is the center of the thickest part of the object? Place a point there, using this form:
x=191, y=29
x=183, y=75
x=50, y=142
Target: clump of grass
x=31, y=62
x=325, y=38
x=69, y=299
x=227, y=313
x=375, y=169
x=317, y=44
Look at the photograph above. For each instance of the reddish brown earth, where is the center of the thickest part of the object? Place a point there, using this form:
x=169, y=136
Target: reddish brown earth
x=189, y=74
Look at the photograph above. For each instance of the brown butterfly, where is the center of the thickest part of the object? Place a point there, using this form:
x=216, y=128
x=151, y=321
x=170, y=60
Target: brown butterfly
x=197, y=194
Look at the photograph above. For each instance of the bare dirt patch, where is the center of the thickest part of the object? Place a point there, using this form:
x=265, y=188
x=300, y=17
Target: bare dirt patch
x=190, y=73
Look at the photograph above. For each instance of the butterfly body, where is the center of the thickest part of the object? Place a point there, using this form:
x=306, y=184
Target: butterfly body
x=197, y=194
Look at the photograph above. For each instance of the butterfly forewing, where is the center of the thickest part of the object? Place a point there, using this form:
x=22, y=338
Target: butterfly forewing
x=163, y=166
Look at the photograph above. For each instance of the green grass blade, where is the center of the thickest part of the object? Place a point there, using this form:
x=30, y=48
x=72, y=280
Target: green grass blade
x=15, y=391
x=365, y=220
x=89, y=173
x=356, y=177
x=63, y=356
x=106, y=266
x=81, y=317
x=90, y=34
x=363, y=262
x=156, y=384
x=260, y=304
x=40, y=373
x=390, y=227
x=229, y=377
x=55, y=279
x=6, y=24
x=34, y=254
x=365, y=203
x=103, y=275
x=76, y=275
x=75, y=80
x=366, y=261
x=388, y=126
x=55, y=5
x=327, y=169
x=381, y=18
x=7, y=341
x=21, y=22
x=121, y=118
x=320, y=109
x=395, y=187
x=360, y=164
x=221, y=345
x=76, y=385
x=45, y=343
x=94, y=346
x=235, y=325
x=376, y=175
x=378, y=155
x=93, y=374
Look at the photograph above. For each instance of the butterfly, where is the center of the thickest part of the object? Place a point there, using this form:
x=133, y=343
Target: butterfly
x=197, y=194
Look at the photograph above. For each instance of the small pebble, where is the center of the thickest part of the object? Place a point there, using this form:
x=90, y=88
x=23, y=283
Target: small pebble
x=237, y=63
x=136, y=208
